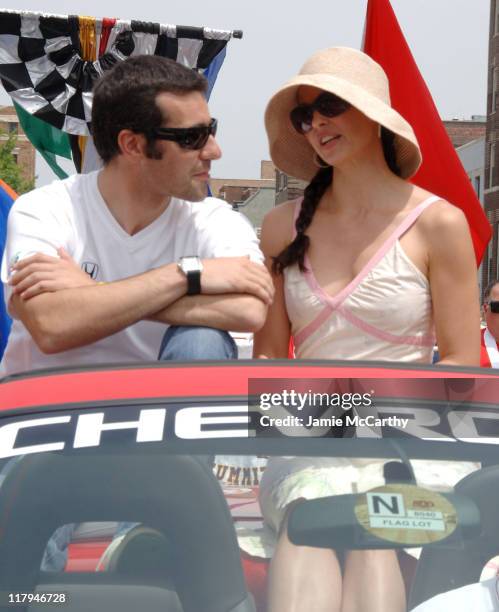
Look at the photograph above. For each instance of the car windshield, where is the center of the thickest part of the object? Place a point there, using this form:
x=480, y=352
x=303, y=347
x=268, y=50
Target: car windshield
x=179, y=503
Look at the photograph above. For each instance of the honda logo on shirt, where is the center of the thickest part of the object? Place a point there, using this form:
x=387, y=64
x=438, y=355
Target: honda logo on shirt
x=91, y=268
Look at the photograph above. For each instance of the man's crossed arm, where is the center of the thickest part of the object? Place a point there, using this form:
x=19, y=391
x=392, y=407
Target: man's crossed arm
x=63, y=308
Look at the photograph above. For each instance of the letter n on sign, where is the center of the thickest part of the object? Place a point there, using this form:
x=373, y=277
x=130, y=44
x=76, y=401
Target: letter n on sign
x=385, y=504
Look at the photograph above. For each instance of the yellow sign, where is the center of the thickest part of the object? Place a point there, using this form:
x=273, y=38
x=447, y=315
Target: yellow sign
x=406, y=514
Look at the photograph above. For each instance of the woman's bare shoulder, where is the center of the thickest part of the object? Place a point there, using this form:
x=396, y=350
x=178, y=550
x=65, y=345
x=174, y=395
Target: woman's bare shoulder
x=277, y=227
x=443, y=214
x=283, y=212
x=442, y=222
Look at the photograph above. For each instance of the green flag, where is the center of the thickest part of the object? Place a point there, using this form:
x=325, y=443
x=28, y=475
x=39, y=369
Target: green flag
x=47, y=140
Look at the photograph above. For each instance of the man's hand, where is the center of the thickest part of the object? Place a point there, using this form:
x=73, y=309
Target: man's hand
x=236, y=275
x=42, y=273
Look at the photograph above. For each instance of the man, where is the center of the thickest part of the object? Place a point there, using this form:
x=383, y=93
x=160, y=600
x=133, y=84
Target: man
x=97, y=264
x=489, y=351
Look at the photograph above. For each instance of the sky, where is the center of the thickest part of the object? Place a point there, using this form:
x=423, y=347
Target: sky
x=448, y=38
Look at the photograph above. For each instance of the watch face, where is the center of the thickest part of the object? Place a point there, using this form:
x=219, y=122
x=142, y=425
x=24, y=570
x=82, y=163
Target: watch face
x=190, y=264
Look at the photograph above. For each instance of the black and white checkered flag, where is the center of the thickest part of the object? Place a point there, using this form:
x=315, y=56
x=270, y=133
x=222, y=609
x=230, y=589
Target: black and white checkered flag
x=42, y=69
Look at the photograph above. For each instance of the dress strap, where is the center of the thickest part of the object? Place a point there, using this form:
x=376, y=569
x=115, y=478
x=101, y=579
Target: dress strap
x=408, y=221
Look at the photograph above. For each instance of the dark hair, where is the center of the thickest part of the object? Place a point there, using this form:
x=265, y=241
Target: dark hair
x=488, y=289
x=125, y=99
x=296, y=250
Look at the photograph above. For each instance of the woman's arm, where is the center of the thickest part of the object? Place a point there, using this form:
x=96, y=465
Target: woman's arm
x=272, y=341
x=454, y=286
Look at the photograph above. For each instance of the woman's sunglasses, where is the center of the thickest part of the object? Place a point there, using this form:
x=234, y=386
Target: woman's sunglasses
x=327, y=104
x=494, y=306
x=193, y=138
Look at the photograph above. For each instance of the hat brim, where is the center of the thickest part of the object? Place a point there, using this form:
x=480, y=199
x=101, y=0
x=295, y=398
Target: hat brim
x=291, y=152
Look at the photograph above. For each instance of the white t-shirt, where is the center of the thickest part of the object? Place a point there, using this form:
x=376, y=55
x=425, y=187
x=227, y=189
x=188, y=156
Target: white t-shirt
x=72, y=214
x=478, y=597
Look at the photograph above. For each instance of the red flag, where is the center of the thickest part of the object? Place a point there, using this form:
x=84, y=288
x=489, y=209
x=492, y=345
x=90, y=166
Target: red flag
x=441, y=172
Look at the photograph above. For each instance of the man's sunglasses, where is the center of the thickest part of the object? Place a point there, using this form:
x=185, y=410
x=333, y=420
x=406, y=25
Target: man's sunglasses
x=327, y=104
x=193, y=138
x=494, y=306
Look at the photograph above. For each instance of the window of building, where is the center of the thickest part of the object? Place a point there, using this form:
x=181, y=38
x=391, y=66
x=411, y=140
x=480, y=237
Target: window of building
x=496, y=275
x=490, y=94
x=12, y=127
x=494, y=87
x=487, y=260
x=492, y=163
x=477, y=185
x=281, y=180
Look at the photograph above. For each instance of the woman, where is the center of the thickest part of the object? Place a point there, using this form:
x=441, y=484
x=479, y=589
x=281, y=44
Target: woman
x=366, y=266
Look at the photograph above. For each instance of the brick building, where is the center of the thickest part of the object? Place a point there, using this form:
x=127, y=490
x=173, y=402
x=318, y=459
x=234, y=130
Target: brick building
x=490, y=269
x=288, y=187
x=463, y=131
x=252, y=197
x=237, y=191
x=24, y=152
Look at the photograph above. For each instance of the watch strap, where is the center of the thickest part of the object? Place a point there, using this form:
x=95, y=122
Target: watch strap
x=193, y=282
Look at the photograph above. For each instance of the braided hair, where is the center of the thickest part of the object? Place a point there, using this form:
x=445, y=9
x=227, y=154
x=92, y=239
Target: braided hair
x=296, y=250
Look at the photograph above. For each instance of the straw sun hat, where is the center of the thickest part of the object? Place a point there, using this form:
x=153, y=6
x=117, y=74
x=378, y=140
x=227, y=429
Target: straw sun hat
x=354, y=77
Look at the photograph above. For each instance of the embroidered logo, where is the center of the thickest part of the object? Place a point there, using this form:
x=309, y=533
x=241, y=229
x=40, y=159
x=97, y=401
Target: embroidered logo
x=91, y=268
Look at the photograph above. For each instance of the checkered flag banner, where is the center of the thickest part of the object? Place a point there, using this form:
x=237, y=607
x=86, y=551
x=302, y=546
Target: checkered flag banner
x=49, y=63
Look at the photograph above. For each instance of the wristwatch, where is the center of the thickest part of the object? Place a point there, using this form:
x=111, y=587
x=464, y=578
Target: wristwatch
x=192, y=267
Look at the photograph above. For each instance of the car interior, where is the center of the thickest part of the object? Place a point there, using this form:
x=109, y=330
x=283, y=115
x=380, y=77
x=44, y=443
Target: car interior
x=182, y=554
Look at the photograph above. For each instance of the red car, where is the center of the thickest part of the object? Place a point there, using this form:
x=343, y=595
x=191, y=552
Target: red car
x=145, y=479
